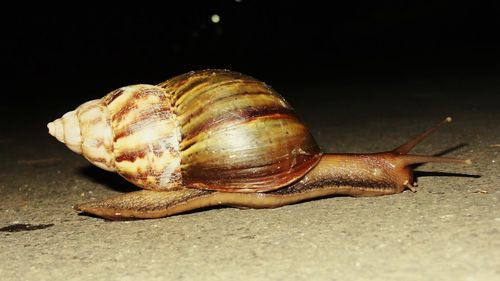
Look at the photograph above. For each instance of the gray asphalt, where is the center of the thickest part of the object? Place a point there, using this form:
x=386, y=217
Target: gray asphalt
x=448, y=230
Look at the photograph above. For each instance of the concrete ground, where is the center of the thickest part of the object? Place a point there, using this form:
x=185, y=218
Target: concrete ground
x=448, y=230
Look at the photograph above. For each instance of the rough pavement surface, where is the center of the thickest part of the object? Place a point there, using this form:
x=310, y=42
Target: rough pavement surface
x=448, y=230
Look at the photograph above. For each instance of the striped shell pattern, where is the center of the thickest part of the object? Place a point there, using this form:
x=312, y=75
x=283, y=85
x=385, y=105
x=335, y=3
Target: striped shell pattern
x=210, y=129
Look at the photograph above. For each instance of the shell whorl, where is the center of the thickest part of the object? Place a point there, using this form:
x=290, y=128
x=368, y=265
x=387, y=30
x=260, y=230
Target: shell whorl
x=146, y=136
x=212, y=129
x=238, y=134
x=87, y=131
x=67, y=130
x=131, y=131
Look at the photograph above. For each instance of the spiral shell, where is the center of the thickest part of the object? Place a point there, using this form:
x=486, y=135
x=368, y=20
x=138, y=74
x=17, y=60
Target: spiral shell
x=211, y=129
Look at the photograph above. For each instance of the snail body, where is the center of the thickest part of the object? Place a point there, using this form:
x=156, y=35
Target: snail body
x=216, y=137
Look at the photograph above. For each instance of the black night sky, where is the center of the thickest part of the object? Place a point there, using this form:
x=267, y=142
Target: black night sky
x=68, y=54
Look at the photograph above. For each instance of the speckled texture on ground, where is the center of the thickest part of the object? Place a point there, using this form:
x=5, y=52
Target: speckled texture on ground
x=448, y=230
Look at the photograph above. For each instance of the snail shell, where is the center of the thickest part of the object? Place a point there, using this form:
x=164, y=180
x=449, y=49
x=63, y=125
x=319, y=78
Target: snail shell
x=211, y=129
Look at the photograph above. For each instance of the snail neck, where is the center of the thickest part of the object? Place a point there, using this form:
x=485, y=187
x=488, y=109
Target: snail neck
x=370, y=174
x=355, y=175
x=360, y=174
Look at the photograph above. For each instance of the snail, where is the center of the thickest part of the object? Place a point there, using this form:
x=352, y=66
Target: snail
x=217, y=137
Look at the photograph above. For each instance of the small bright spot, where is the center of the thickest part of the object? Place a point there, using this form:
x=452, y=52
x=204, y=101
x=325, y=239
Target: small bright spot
x=215, y=18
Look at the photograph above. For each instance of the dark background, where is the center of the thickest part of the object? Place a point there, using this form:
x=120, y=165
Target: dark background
x=59, y=56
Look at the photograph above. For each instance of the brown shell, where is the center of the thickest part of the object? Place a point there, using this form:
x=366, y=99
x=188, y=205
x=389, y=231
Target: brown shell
x=210, y=129
x=238, y=134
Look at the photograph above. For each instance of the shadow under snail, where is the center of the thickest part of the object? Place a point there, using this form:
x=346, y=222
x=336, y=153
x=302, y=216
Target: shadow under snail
x=216, y=137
